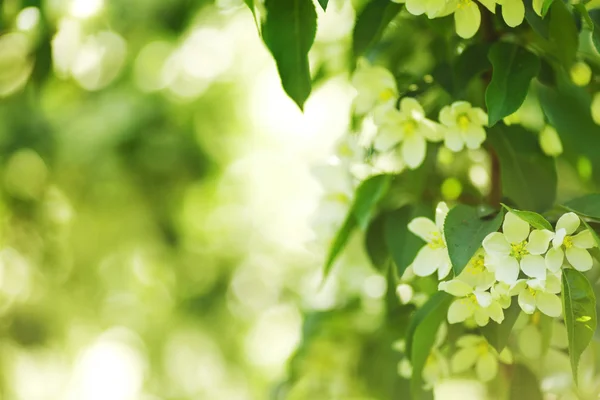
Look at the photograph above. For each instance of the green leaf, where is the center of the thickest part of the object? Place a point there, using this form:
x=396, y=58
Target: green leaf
x=535, y=21
x=524, y=384
x=464, y=231
x=368, y=194
x=534, y=219
x=588, y=206
x=402, y=244
x=528, y=176
x=513, y=69
x=563, y=34
x=339, y=242
x=375, y=242
x=289, y=31
x=371, y=24
x=579, y=309
x=546, y=7
x=471, y=63
x=496, y=334
x=422, y=332
x=323, y=4
x=594, y=16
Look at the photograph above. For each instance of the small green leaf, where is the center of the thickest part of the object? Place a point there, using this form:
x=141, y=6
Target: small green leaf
x=532, y=218
x=323, y=4
x=375, y=243
x=464, y=231
x=371, y=24
x=402, y=244
x=563, y=34
x=538, y=24
x=513, y=69
x=339, y=242
x=528, y=176
x=546, y=7
x=588, y=206
x=524, y=384
x=368, y=194
x=289, y=32
x=422, y=331
x=496, y=334
x=579, y=308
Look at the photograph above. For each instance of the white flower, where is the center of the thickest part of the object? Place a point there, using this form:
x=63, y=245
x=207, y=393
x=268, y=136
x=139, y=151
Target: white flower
x=464, y=126
x=467, y=16
x=476, y=274
x=434, y=255
x=473, y=303
x=376, y=87
x=510, y=251
x=539, y=294
x=475, y=351
x=501, y=294
x=575, y=245
x=436, y=368
x=408, y=128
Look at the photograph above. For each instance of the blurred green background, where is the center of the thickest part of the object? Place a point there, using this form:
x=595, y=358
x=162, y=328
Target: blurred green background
x=156, y=199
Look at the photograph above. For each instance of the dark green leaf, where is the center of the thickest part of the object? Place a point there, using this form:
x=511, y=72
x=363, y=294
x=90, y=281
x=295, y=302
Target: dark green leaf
x=563, y=34
x=528, y=176
x=497, y=335
x=464, y=231
x=422, y=332
x=524, y=384
x=375, y=242
x=579, y=309
x=513, y=69
x=534, y=219
x=368, y=194
x=323, y=4
x=594, y=16
x=535, y=21
x=588, y=206
x=289, y=31
x=471, y=63
x=339, y=242
x=371, y=23
x=402, y=244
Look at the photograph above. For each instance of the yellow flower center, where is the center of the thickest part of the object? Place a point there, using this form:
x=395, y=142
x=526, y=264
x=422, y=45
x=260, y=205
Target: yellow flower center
x=338, y=197
x=386, y=95
x=482, y=348
x=437, y=242
x=532, y=291
x=477, y=265
x=409, y=127
x=463, y=121
x=345, y=150
x=464, y=3
x=535, y=318
x=518, y=250
x=568, y=242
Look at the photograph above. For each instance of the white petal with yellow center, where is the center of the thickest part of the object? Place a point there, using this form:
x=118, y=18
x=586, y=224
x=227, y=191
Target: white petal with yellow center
x=424, y=228
x=515, y=229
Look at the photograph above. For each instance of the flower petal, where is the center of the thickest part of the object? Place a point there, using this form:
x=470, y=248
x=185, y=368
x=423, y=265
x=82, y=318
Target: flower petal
x=413, y=150
x=441, y=210
x=481, y=316
x=487, y=367
x=483, y=298
x=539, y=239
x=549, y=304
x=527, y=301
x=495, y=244
x=559, y=238
x=447, y=117
x=517, y=287
x=554, y=259
x=412, y=108
x=423, y=228
x=584, y=240
x=569, y=222
x=552, y=284
x=530, y=342
x=474, y=136
x=453, y=140
x=426, y=261
x=469, y=340
x=534, y=266
x=580, y=259
x=455, y=288
x=464, y=359
x=431, y=131
x=445, y=267
x=507, y=270
x=460, y=310
x=496, y=312
x=513, y=12
x=515, y=229
x=467, y=20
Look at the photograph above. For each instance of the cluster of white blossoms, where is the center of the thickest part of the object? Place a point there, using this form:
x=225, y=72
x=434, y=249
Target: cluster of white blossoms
x=467, y=15
x=519, y=261
x=403, y=132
